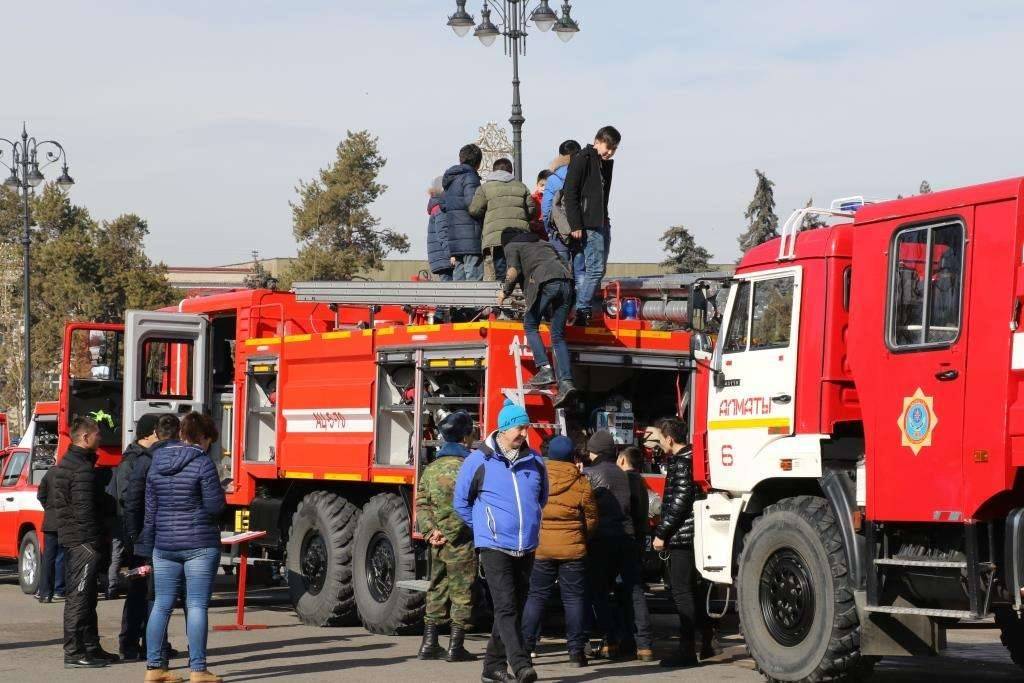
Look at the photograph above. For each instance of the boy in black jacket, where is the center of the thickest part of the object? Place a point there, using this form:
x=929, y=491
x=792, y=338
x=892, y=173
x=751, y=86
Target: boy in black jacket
x=77, y=501
x=675, y=533
x=588, y=184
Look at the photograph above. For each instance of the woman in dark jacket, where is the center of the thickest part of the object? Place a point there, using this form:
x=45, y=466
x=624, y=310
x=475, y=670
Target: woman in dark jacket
x=184, y=499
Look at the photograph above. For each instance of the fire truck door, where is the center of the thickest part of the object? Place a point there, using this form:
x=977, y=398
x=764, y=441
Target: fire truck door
x=165, y=369
x=917, y=432
x=754, y=405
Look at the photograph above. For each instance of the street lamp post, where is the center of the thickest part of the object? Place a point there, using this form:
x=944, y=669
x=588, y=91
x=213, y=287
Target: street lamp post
x=25, y=157
x=513, y=16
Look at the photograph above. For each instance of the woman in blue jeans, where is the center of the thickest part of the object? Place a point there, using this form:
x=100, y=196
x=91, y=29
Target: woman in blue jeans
x=184, y=499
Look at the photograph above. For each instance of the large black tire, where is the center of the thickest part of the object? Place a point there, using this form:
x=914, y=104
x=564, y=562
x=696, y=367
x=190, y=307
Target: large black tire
x=30, y=563
x=384, y=555
x=319, y=560
x=795, y=598
x=1011, y=633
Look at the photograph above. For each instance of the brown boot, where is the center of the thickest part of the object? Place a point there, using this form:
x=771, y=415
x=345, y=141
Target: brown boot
x=204, y=677
x=645, y=654
x=161, y=676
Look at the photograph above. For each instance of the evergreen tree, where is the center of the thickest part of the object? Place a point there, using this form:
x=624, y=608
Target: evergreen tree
x=81, y=270
x=925, y=188
x=812, y=220
x=259, y=277
x=684, y=255
x=337, y=235
x=762, y=223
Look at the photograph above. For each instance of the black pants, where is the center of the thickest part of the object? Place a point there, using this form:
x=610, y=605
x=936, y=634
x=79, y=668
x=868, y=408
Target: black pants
x=608, y=558
x=682, y=572
x=135, y=613
x=641, y=635
x=51, y=575
x=508, y=580
x=81, y=633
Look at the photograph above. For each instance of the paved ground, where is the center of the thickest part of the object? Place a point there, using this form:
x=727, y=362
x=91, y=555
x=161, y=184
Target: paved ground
x=30, y=651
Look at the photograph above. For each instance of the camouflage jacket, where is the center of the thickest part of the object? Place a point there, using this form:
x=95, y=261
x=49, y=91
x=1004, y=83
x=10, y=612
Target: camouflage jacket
x=434, y=496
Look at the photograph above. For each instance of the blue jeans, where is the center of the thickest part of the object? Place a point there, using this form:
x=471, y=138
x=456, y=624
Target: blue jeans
x=443, y=275
x=198, y=566
x=596, y=245
x=468, y=267
x=51, y=573
x=572, y=584
x=553, y=302
x=572, y=256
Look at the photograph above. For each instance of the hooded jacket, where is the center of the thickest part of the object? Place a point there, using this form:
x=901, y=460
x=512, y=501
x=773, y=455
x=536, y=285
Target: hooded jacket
x=460, y=184
x=570, y=515
x=184, y=499
x=77, y=499
x=501, y=501
x=588, y=184
x=676, y=525
x=134, y=505
x=438, y=255
x=611, y=490
x=502, y=202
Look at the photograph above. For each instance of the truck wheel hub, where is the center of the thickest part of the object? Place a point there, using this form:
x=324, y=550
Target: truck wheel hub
x=314, y=563
x=29, y=565
x=787, y=597
x=380, y=567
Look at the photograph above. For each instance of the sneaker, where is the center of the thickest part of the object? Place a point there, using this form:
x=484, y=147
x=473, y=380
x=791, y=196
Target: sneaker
x=526, y=675
x=59, y=596
x=583, y=318
x=501, y=676
x=133, y=655
x=44, y=599
x=645, y=654
x=578, y=659
x=85, y=662
x=566, y=390
x=543, y=378
x=103, y=654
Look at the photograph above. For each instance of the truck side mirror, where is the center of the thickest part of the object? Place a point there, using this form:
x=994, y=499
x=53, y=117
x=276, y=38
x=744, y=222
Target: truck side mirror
x=700, y=345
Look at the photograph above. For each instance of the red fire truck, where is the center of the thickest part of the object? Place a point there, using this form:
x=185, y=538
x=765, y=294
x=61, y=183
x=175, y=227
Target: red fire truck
x=856, y=423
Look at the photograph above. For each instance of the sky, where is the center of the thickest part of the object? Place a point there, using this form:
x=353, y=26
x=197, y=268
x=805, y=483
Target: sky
x=202, y=116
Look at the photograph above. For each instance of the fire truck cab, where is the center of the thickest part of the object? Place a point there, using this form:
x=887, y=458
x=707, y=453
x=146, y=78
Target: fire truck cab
x=860, y=440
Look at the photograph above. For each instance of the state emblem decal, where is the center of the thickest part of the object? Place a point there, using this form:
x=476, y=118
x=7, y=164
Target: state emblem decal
x=917, y=421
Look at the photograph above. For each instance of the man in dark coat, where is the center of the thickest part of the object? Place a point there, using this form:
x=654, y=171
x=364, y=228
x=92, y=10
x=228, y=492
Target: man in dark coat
x=612, y=543
x=588, y=184
x=77, y=503
x=51, y=578
x=547, y=285
x=133, y=615
x=460, y=184
x=167, y=428
x=630, y=461
x=675, y=533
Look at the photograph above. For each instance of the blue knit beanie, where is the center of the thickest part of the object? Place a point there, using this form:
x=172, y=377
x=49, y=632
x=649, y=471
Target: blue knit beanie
x=561, y=449
x=511, y=416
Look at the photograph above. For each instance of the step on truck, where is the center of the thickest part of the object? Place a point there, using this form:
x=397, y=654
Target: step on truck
x=328, y=400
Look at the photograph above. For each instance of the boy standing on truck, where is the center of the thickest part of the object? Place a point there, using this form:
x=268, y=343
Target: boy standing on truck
x=460, y=183
x=452, y=556
x=502, y=203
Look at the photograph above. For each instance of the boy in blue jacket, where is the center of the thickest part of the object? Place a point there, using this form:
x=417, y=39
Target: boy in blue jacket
x=572, y=253
x=500, y=493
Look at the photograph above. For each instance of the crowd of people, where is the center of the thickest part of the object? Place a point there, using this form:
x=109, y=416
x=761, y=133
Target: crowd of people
x=578, y=520
x=553, y=242
x=161, y=507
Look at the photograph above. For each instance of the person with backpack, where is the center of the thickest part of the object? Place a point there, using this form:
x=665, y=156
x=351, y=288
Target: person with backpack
x=439, y=257
x=503, y=203
x=553, y=204
x=588, y=184
x=460, y=183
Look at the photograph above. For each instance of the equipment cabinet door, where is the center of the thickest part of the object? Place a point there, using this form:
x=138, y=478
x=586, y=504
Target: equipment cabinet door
x=757, y=354
x=165, y=367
